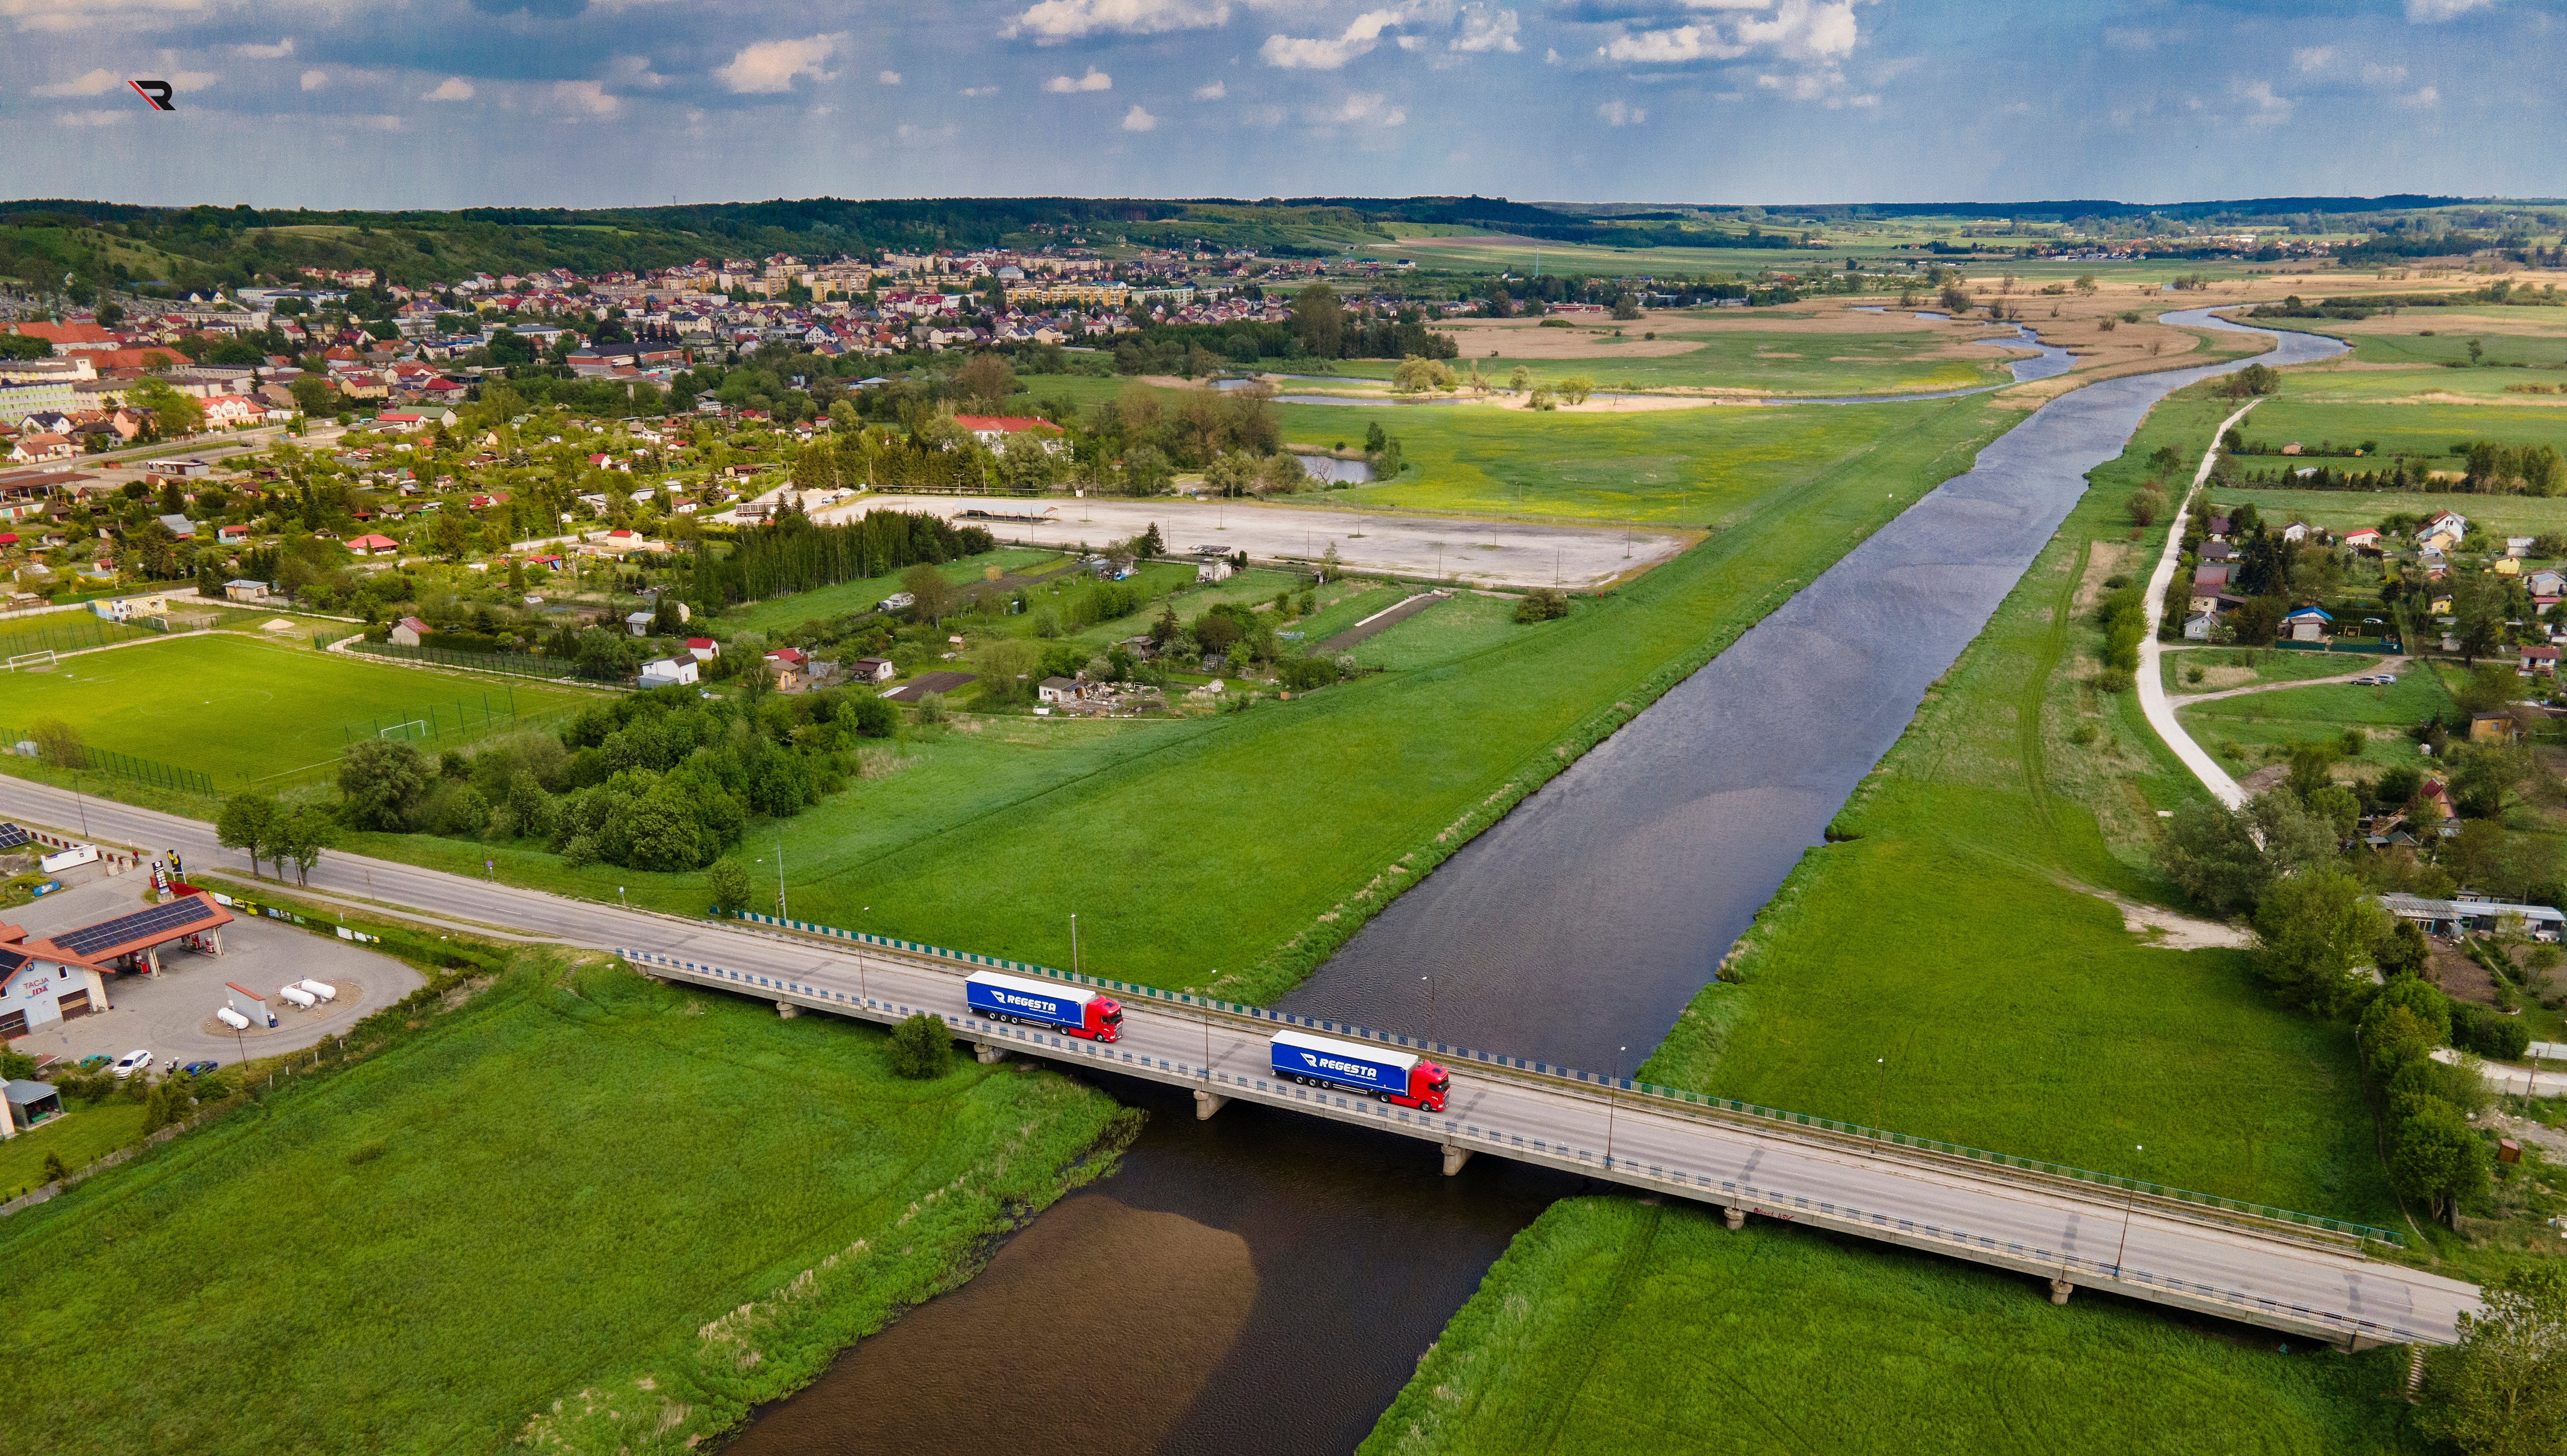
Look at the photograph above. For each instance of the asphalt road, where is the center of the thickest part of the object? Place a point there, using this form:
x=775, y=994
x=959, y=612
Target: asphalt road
x=2084, y=1236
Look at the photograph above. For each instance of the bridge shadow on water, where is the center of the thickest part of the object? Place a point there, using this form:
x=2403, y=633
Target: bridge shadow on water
x=1256, y=1282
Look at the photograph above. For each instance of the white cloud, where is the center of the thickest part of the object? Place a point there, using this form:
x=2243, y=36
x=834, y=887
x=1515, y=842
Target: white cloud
x=1617, y=113
x=1805, y=30
x=2311, y=58
x=191, y=80
x=277, y=52
x=1321, y=54
x=89, y=14
x=1054, y=21
x=908, y=133
x=2424, y=97
x=95, y=83
x=1138, y=120
x=1665, y=47
x=585, y=99
x=315, y=79
x=90, y=118
x=977, y=90
x=1364, y=108
x=636, y=70
x=888, y=78
x=1094, y=80
x=770, y=66
x=452, y=88
x=2132, y=38
x=1549, y=55
x=2270, y=109
x=2426, y=12
x=1211, y=91
x=1484, y=29
x=2374, y=74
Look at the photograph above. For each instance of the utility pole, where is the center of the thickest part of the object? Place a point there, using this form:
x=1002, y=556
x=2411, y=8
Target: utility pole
x=783, y=912
x=1074, y=943
x=1430, y=1006
x=2129, y=1202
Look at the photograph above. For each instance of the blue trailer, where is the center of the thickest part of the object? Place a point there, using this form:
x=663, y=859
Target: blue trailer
x=1325, y=1062
x=1072, y=1008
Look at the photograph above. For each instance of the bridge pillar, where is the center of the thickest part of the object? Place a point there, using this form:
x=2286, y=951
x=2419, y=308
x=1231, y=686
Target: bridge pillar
x=1208, y=1104
x=1736, y=1218
x=984, y=1051
x=787, y=1010
x=2060, y=1290
x=1454, y=1158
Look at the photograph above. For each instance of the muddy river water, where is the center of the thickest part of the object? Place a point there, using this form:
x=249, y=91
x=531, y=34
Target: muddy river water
x=1263, y=1283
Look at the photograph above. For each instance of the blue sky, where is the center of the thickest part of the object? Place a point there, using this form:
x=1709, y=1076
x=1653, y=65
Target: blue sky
x=592, y=102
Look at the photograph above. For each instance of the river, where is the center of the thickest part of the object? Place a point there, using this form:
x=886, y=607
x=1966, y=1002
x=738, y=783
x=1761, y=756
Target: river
x=1261, y=1282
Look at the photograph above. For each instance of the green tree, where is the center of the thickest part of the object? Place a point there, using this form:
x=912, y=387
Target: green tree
x=378, y=781
x=1575, y=387
x=664, y=620
x=987, y=379
x=247, y=823
x=729, y=880
x=2311, y=930
x=932, y=596
x=313, y=396
x=2502, y=1390
x=2210, y=854
x=921, y=1048
x=172, y=413
x=1318, y=321
x=2145, y=507
x=2436, y=1157
x=2401, y=952
x=302, y=832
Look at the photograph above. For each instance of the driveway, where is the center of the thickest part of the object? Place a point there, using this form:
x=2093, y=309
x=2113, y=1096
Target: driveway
x=2392, y=665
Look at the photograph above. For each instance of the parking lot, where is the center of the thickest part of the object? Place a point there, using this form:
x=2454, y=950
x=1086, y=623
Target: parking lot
x=173, y=1014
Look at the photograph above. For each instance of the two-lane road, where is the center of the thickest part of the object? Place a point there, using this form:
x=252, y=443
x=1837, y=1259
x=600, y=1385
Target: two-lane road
x=2080, y=1235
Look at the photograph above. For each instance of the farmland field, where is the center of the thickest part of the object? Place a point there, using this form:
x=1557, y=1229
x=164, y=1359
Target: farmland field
x=1615, y=1325
x=1315, y=799
x=779, y=614
x=234, y=708
x=2309, y=714
x=1776, y=363
x=2344, y=510
x=427, y=1251
x=1993, y=999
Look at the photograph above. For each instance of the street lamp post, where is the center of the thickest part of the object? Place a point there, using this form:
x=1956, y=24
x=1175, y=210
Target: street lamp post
x=1074, y=943
x=2128, y=1203
x=1613, y=1096
x=1430, y=1006
x=782, y=911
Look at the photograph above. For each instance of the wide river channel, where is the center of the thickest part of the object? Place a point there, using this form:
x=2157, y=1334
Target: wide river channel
x=1263, y=1283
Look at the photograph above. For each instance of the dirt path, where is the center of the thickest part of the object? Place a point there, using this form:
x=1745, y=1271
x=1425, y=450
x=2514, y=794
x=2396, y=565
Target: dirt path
x=1386, y=618
x=2386, y=664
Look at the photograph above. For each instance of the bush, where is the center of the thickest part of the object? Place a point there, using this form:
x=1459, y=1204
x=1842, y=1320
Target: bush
x=729, y=883
x=921, y=1048
x=2476, y=1029
x=2144, y=507
x=1301, y=673
x=2115, y=679
x=55, y=1172
x=1541, y=605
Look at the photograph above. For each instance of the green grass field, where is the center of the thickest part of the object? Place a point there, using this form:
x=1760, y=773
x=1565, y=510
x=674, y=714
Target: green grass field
x=1781, y=363
x=1704, y=467
x=2228, y=667
x=234, y=709
x=2350, y=408
x=1940, y=971
x=2344, y=510
x=90, y=1131
x=783, y=614
x=1193, y=851
x=2311, y=714
x=560, y=1193
x=1612, y=1325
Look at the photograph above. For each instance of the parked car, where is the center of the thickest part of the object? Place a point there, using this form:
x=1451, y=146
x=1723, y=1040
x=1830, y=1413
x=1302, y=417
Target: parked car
x=199, y=1068
x=91, y=1063
x=130, y=1062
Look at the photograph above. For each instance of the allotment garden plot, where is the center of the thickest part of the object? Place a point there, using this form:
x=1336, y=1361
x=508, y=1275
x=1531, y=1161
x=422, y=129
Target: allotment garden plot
x=238, y=710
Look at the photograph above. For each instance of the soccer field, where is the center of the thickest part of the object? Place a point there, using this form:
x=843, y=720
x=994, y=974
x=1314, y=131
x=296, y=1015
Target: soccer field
x=236, y=709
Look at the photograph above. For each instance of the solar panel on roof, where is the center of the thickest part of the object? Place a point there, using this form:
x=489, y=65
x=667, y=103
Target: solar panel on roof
x=11, y=836
x=149, y=924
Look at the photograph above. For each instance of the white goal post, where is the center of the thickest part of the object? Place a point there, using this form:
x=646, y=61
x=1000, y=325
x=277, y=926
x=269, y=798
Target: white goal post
x=403, y=730
x=42, y=659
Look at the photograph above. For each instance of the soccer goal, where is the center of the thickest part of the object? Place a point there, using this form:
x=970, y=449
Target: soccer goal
x=35, y=661
x=415, y=730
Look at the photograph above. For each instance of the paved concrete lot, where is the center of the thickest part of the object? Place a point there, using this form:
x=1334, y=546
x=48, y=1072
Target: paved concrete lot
x=1481, y=552
x=173, y=1014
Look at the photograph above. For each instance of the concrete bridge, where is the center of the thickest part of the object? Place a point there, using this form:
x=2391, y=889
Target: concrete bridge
x=2309, y=1277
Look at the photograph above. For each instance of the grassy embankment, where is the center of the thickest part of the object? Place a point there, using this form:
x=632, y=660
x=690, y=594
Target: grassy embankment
x=1943, y=972
x=1613, y=1326
x=990, y=834
x=581, y=1210
x=234, y=708
x=1994, y=1000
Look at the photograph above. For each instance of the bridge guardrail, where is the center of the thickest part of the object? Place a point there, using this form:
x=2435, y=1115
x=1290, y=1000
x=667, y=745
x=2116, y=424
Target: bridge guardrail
x=1727, y=1108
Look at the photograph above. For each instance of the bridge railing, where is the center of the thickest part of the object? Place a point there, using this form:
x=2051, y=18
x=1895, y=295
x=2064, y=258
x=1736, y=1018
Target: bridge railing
x=1677, y=1096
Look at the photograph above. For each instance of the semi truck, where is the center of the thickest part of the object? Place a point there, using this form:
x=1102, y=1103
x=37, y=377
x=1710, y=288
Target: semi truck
x=1393, y=1076
x=1071, y=1008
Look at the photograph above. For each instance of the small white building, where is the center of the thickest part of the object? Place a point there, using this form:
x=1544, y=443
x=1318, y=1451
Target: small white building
x=1060, y=690
x=669, y=672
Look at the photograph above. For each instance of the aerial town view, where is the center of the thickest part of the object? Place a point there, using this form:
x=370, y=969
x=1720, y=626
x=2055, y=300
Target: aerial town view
x=1164, y=725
